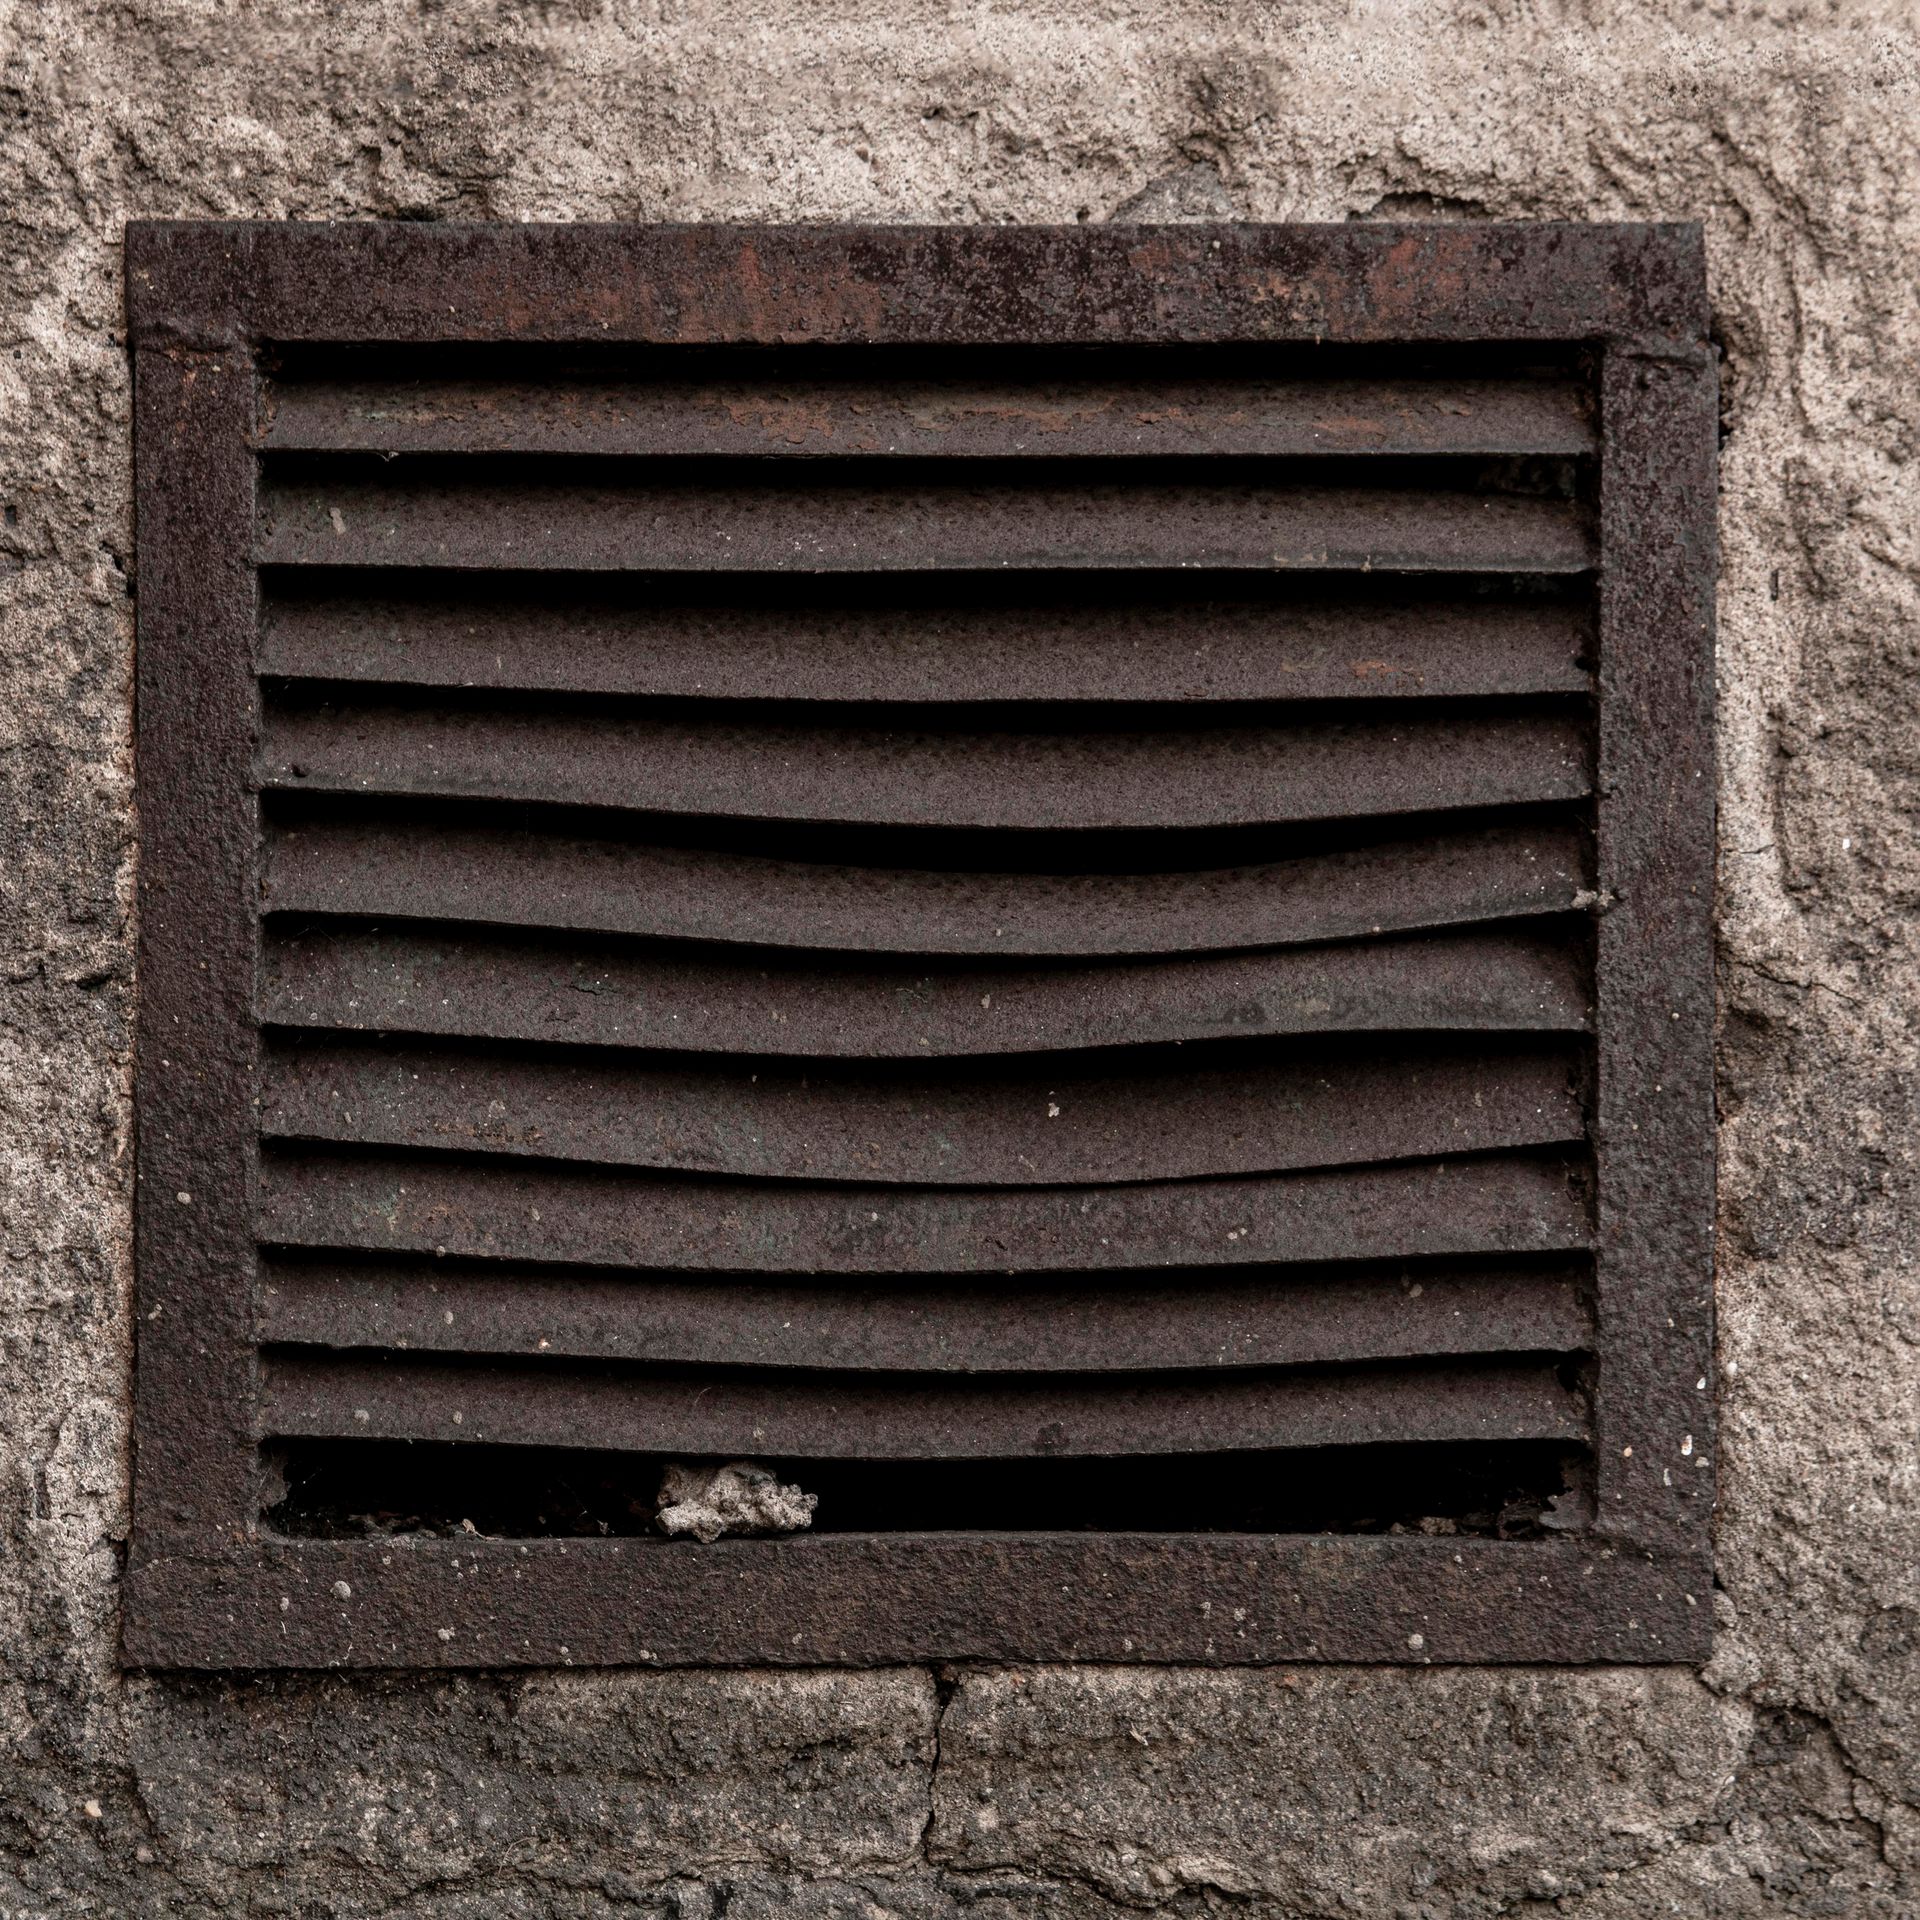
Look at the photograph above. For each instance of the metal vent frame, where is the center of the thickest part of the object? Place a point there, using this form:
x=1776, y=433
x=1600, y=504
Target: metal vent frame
x=206, y=1588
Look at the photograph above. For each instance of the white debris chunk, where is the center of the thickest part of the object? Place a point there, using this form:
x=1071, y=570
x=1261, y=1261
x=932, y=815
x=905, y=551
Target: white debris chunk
x=737, y=1498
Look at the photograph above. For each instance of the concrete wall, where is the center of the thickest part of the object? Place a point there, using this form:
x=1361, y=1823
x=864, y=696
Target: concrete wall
x=1783, y=1779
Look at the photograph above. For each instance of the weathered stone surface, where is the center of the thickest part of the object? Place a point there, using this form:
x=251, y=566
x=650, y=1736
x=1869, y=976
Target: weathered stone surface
x=370, y=1794
x=1783, y=1781
x=1327, y=1792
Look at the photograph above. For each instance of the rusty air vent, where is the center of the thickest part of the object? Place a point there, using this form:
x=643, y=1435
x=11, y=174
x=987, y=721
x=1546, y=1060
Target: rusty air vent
x=1054, y=883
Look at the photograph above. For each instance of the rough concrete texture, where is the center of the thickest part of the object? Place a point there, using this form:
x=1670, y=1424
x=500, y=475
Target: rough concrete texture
x=1782, y=1780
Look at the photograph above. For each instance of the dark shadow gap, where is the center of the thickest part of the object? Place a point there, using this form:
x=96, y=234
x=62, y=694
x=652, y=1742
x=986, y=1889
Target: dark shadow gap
x=358, y=1489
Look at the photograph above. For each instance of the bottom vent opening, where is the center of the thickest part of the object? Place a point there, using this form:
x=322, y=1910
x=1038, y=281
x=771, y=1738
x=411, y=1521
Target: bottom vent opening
x=352, y=1489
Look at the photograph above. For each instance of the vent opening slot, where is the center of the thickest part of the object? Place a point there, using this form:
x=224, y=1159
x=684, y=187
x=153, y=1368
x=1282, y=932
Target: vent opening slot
x=372, y=1489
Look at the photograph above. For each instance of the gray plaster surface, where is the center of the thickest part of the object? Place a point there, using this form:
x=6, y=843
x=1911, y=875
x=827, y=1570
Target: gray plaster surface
x=1785, y=1778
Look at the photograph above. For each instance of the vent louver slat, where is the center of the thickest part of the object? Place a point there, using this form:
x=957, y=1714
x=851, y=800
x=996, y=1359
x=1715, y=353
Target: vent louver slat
x=1099, y=1324
x=1033, y=882
x=1132, y=778
x=956, y=641
x=916, y=1418
x=1066, y=1125
x=433, y=870
x=861, y=412
x=1500, y=1204
x=357, y=978
x=848, y=522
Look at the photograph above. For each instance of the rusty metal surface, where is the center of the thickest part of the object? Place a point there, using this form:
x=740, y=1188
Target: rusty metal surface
x=657, y=1214
x=1209, y=1600
x=353, y=978
x=1499, y=1204
x=910, y=1417
x=830, y=412
x=493, y=877
x=334, y=515
x=1121, y=773
x=1057, y=1123
x=1099, y=1323
x=195, y=1465
x=1533, y=283
x=1168, y=643
x=1655, y=1116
